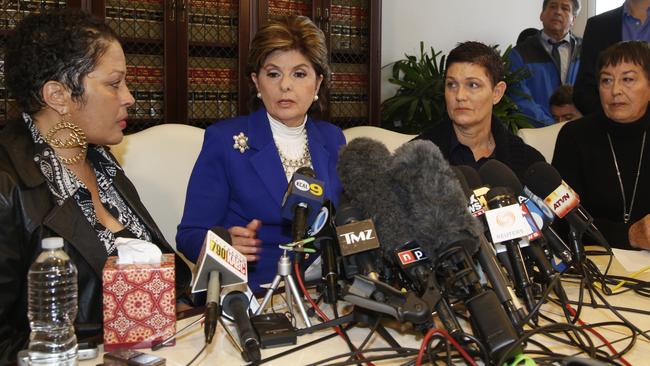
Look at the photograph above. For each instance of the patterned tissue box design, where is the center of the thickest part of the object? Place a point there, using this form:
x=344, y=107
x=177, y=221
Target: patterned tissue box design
x=139, y=303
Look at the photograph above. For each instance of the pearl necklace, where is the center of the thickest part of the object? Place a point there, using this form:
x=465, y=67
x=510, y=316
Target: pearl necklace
x=627, y=213
x=291, y=165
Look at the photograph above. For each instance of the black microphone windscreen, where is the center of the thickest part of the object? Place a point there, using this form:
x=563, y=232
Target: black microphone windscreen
x=496, y=174
x=542, y=178
x=471, y=176
x=436, y=204
x=307, y=171
x=348, y=213
x=222, y=233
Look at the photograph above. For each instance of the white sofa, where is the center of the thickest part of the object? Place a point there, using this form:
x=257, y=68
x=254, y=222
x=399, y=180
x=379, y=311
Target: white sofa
x=159, y=161
x=542, y=139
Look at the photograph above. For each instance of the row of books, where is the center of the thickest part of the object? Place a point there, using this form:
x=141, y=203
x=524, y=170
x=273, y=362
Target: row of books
x=212, y=104
x=351, y=11
x=214, y=33
x=212, y=79
x=283, y=7
x=136, y=22
x=220, y=7
x=12, y=11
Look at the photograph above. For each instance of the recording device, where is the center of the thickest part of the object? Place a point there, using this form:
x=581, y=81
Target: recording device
x=235, y=303
x=219, y=265
x=274, y=330
x=358, y=242
x=302, y=201
x=129, y=357
x=545, y=181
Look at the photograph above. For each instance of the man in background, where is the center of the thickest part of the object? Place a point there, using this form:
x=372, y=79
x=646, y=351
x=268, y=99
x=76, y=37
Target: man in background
x=561, y=105
x=628, y=22
x=551, y=57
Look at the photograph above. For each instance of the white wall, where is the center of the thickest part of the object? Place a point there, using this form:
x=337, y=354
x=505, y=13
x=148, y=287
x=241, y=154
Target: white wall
x=444, y=23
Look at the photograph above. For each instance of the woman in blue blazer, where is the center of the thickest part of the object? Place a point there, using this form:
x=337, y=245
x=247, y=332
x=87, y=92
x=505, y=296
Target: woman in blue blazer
x=242, y=172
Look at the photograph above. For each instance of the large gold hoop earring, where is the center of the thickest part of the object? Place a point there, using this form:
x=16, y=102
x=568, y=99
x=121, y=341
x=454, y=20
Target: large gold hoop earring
x=75, y=139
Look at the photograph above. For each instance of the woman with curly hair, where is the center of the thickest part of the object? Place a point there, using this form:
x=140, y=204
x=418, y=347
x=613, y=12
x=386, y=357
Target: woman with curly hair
x=67, y=72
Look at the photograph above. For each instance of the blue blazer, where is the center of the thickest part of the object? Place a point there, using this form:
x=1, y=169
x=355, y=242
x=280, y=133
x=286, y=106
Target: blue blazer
x=230, y=188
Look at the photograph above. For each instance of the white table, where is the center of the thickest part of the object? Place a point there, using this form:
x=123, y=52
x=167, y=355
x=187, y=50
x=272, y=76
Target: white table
x=222, y=352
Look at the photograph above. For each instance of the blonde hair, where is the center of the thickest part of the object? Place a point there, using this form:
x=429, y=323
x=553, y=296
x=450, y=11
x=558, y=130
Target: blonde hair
x=290, y=33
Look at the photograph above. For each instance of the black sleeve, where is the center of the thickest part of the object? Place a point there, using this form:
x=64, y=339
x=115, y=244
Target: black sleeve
x=13, y=274
x=585, y=89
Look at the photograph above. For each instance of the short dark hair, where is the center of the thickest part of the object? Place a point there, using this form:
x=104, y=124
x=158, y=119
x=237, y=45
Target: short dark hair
x=479, y=54
x=562, y=96
x=61, y=45
x=636, y=52
x=290, y=33
x=575, y=9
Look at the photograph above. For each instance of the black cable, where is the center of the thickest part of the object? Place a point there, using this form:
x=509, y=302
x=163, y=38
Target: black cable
x=401, y=352
x=344, y=334
x=205, y=345
x=542, y=329
x=366, y=340
x=294, y=349
x=485, y=356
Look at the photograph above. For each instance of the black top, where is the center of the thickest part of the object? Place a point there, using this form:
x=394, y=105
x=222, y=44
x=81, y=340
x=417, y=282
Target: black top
x=584, y=159
x=510, y=149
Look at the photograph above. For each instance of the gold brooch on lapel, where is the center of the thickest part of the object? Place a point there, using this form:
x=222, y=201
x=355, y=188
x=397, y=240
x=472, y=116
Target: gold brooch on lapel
x=241, y=142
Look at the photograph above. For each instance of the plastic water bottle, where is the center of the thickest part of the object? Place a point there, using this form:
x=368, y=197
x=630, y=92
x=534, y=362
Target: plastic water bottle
x=52, y=306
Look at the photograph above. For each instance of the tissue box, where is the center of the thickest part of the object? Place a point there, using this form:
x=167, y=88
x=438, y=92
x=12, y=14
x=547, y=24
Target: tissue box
x=139, y=303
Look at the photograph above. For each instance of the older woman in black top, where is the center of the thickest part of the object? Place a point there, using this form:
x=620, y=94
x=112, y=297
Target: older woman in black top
x=605, y=158
x=471, y=134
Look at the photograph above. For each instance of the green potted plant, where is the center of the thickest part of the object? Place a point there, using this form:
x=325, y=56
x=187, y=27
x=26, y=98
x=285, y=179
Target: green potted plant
x=419, y=103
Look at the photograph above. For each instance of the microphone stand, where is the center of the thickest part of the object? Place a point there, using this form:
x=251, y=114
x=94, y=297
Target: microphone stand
x=284, y=274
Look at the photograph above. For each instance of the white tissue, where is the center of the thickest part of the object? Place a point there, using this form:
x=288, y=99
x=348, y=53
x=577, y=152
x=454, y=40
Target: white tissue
x=136, y=251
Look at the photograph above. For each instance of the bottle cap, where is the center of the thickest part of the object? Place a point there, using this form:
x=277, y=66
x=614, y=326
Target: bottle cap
x=52, y=243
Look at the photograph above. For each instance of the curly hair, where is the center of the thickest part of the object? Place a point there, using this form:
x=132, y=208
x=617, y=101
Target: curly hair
x=61, y=45
x=290, y=33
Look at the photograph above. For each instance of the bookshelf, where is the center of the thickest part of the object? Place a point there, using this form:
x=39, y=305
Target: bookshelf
x=185, y=58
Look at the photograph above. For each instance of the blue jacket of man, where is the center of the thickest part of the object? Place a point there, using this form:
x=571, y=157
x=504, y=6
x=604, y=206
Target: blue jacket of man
x=230, y=188
x=544, y=78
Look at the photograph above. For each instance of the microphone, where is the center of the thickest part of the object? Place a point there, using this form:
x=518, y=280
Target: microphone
x=545, y=181
x=414, y=196
x=498, y=174
x=487, y=255
x=301, y=201
x=358, y=242
x=324, y=231
x=219, y=265
x=235, y=303
x=417, y=268
x=507, y=225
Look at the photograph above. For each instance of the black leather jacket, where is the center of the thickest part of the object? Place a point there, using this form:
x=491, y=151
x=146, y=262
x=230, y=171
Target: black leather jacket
x=28, y=213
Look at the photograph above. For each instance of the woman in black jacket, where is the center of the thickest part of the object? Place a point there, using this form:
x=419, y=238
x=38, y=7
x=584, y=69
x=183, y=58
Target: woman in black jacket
x=67, y=72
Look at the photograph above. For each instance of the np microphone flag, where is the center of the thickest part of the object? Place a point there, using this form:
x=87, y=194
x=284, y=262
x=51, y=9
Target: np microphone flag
x=218, y=255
